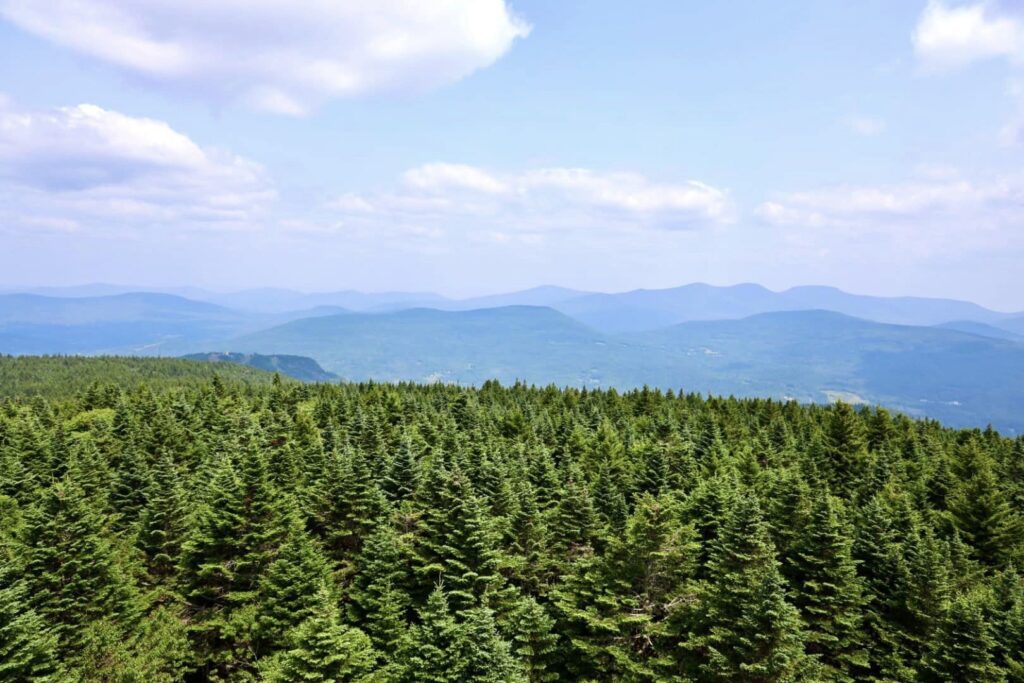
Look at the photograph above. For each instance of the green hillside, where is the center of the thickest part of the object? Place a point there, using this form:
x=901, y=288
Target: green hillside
x=810, y=356
x=816, y=355
x=409, y=533
x=297, y=367
x=56, y=376
x=534, y=344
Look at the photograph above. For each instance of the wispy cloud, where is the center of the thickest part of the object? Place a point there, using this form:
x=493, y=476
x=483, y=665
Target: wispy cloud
x=281, y=56
x=438, y=198
x=939, y=213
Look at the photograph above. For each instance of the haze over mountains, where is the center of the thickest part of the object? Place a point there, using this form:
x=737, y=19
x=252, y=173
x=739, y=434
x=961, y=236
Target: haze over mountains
x=947, y=359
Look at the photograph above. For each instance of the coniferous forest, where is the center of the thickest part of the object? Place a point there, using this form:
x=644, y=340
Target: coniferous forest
x=232, y=531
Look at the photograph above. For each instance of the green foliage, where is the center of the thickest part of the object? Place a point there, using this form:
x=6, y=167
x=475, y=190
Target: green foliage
x=442, y=649
x=61, y=376
x=964, y=645
x=163, y=520
x=73, y=567
x=289, y=588
x=535, y=643
x=322, y=648
x=28, y=651
x=368, y=532
x=752, y=632
x=830, y=598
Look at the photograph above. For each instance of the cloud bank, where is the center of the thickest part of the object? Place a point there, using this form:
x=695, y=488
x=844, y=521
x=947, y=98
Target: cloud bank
x=281, y=56
x=86, y=166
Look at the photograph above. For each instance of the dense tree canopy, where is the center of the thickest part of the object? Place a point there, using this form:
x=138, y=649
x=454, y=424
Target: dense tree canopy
x=221, y=531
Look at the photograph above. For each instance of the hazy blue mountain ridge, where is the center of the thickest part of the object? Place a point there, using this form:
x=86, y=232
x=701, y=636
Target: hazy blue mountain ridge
x=647, y=309
x=982, y=329
x=964, y=369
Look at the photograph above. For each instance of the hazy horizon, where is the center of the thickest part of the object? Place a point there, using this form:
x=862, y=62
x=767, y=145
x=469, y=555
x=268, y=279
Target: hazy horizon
x=489, y=146
x=183, y=290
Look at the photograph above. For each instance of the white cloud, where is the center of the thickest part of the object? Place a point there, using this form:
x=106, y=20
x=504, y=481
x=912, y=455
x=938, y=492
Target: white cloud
x=281, y=56
x=438, y=198
x=952, y=36
x=938, y=213
x=936, y=227
x=441, y=176
x=86, y=166
x=854, y=205
x=864, y=125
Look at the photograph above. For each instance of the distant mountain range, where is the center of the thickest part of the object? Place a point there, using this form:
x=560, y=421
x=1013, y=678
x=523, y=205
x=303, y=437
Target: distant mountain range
x=948, y=359
x=634, y=310
x=648, y=309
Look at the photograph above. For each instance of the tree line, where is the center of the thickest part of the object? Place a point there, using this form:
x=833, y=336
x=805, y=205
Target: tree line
x=377, y=532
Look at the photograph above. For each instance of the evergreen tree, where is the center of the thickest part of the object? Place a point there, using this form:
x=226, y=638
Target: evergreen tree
x=984, y=518
x=535, y=643
x=845, y=449
x=25, y=459
x=322, y=649
x=829, y=598
x=75, y=574
x=615, y=607
x=163, y=520
x=28, y=650
x=753, y=633
x=289, y=588
x=403, y=473
x=349, y=504
x=428, y=653
x=130, y=486
x=574, y=523
x=379, y=592
x=610, y=501
x=482, y=656
x=457, y=547
x=234, y=534
x=963, y=649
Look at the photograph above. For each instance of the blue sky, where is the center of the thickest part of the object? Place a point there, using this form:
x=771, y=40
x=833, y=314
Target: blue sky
x=479, y=146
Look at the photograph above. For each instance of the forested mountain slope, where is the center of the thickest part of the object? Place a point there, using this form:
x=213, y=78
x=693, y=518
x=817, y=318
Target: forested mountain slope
x=957, y=377
x=435, y=533
x=812, y=356
x=60, y=376
x=536, y=344
x=296, y=367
